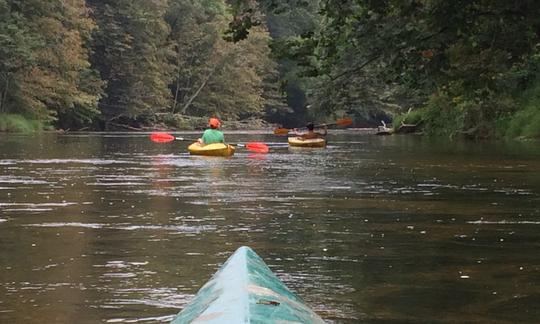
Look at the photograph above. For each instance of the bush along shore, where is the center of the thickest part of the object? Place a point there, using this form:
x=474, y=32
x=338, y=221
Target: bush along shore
x=19, y=124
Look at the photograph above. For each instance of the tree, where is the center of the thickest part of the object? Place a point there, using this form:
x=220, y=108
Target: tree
x=132, y=55
x=237, y=88
x=195, y=29
x=45, y=70
x=459, y=61
x=213, y=76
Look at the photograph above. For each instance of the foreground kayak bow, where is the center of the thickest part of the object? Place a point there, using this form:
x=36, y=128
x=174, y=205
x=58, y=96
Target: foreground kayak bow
x=244, y=290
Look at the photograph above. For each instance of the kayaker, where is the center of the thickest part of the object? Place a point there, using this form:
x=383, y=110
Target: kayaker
x=311, y=133
x=212, y=134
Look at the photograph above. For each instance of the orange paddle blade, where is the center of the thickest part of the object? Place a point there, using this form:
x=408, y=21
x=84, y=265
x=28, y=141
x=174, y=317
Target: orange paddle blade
x=257, y=147
x=281, y=131
x=161, y=137
x=344, y=122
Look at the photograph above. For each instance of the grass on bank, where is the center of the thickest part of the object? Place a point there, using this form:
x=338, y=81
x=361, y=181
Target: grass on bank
x=412, y=117
x=18, y=124
x=442, y=117
x=525, y=123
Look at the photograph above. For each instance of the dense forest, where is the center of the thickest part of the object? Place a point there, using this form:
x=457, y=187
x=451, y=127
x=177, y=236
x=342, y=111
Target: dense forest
x=457, y=68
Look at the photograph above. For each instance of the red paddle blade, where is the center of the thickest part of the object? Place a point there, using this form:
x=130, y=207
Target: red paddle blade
x=281, y=131
x=161, y=137
x=257, y=147
x=344, y=122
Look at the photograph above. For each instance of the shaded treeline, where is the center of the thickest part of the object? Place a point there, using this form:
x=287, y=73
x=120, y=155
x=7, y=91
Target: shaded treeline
x=101, y=64
x=464, y=67
x=457, y=67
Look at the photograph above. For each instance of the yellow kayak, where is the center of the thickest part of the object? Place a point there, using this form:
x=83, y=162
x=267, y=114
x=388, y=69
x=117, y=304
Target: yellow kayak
x=312, y=142
x=215, y=149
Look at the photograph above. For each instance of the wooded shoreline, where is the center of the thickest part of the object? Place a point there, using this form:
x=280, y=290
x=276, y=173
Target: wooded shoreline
x=457, y=68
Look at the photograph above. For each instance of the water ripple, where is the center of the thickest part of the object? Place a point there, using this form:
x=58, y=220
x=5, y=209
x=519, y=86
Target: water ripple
x=171, y=228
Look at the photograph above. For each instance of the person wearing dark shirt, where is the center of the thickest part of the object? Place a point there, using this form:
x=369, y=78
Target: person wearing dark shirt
x=311, y=133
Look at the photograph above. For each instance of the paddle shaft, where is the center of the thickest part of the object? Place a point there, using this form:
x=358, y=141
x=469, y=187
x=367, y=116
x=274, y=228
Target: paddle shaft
x=319, y=126
x=339, y=122
x=186, y=139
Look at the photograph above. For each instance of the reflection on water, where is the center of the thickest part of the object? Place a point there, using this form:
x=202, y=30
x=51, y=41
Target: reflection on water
x=114, y=228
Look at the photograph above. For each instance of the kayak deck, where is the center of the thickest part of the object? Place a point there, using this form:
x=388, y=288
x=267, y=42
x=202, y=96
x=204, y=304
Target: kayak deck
x=301, y=142
x=244, y=290
x=214, y=149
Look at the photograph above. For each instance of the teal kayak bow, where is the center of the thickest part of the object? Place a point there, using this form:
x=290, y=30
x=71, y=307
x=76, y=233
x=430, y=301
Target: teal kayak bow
x=244, y=290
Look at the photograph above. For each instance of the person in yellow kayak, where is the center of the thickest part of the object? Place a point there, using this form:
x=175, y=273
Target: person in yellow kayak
x=212, y=134
x=311, y=133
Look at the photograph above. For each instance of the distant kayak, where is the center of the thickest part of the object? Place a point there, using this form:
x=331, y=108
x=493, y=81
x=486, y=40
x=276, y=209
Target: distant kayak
x=215, y=149
x=313, y=142
x=244, y=290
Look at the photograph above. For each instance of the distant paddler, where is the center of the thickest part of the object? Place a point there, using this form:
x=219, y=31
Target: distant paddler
x=339, y=122
x=311, y=138
x=311, y=133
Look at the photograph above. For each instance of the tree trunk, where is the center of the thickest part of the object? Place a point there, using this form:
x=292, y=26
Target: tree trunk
x=4, y=95
x=203, y=84
x=175, y=102
x=205, y=81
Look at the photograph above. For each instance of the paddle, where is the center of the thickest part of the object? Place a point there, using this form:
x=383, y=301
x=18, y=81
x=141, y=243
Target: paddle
x=257, y=147
x=339, y=122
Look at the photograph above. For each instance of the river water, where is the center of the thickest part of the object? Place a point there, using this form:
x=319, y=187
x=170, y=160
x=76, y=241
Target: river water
x=114, y=228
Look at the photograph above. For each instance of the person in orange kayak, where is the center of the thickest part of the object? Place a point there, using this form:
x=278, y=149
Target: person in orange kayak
x=212, y=134
x=311, y=133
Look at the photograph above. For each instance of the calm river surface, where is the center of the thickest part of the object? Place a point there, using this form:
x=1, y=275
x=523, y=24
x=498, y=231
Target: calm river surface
x=114, y=228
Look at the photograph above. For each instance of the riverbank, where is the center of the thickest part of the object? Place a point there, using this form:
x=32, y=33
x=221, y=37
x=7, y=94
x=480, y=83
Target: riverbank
x=14, y=123
x=183, y=122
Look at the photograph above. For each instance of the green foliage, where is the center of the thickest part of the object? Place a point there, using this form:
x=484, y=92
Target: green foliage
x=178, y=121
x=245, y=16
x=412, y=117
x=196, y=38
x=440, y=116
x=291, y=25
x=132, y=55
x=18, y=124
x=287, y=13
x=101, y=63
x=44, y=62
x=462, y=66
x=237, y=87
x=471, y=57
x=213, y=76
x=526, y=122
